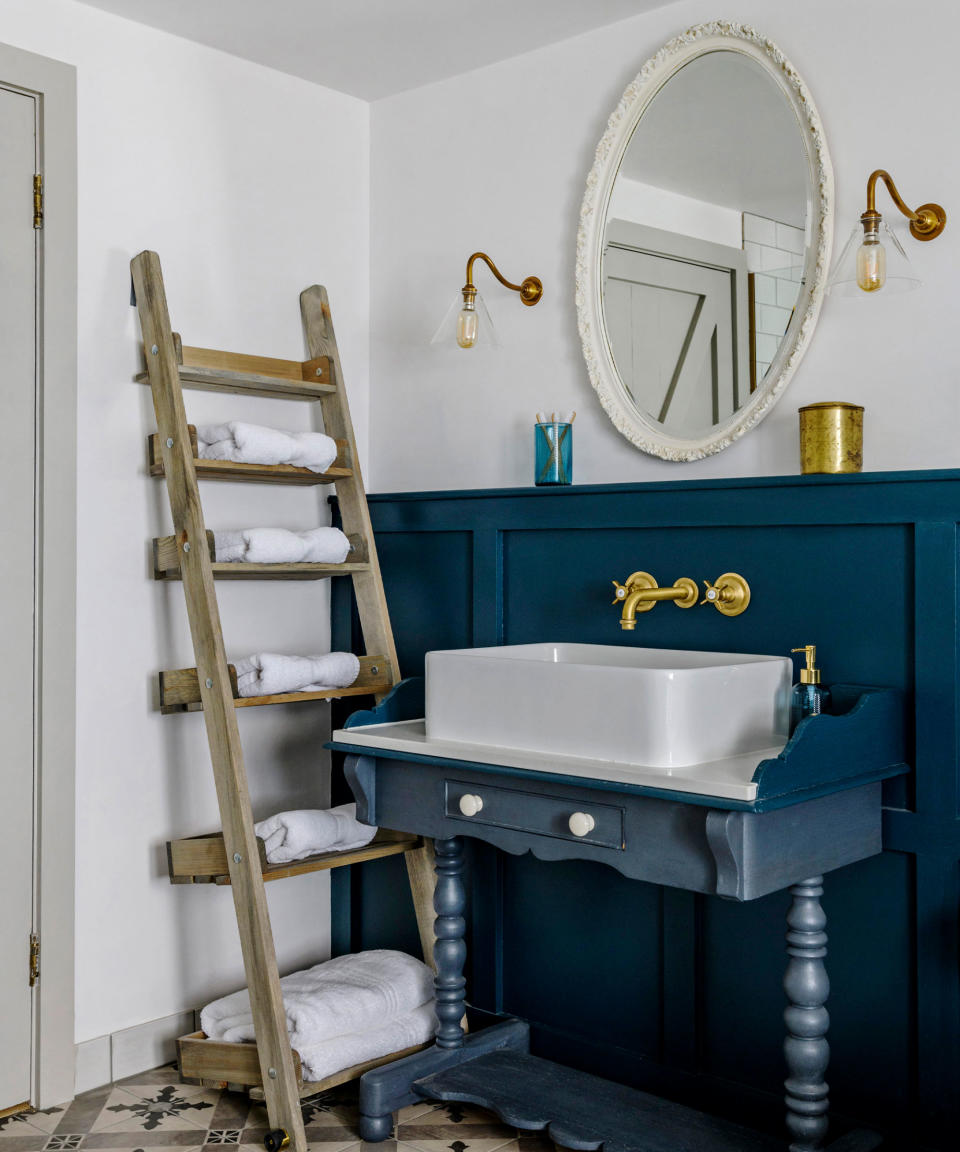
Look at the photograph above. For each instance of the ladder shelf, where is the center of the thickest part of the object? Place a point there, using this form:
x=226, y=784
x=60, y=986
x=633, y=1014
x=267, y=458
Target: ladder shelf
x=257, y=473
x=236, y=857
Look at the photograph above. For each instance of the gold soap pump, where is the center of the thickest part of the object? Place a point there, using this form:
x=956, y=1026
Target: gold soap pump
x=808, y=698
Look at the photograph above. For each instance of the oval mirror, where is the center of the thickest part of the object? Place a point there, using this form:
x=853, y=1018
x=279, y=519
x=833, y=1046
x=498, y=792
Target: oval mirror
x=704, y=240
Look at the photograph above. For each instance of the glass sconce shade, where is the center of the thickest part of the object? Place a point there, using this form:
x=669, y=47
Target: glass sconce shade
x=467, y=325
x=869, y=263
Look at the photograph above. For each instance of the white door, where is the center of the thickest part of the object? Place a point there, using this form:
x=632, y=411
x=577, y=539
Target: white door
x=18, y=342
x=673, y=337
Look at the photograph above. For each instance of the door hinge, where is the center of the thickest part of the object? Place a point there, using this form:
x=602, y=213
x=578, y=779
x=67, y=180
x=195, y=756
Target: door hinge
x=38, y=200
x=34, y=958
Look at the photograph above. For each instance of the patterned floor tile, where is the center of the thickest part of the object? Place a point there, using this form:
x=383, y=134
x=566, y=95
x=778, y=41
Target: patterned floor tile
x=27, y=1123
x=24, y=1140
x=151, y=1108
x=445, y=1124
x=186, y=1141
x=464, y=1143
x=165, y=1074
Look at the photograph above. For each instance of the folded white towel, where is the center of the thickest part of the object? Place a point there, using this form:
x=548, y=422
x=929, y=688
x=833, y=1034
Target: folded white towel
x=319, y=1061
x=280, y=546
x=294, y=835
x=343, y=997
x=268, y=674
x=254, y=444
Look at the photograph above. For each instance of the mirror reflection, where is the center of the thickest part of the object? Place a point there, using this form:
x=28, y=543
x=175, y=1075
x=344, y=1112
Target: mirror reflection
x=704, y=243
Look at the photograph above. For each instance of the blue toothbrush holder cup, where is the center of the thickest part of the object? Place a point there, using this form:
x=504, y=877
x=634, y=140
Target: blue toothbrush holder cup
x=553, y=451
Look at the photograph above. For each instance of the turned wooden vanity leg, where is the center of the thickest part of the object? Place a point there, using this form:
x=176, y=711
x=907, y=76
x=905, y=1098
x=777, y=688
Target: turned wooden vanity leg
x=450, y=949
x=807, y=987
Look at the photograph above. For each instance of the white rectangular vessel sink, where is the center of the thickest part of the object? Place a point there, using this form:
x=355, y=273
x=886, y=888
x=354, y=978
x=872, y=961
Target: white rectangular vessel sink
x=651, y=706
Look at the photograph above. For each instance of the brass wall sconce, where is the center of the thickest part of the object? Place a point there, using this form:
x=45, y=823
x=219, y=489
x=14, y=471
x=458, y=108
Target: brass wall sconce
x=865, y=267
x=730, y=595
x=467, y=319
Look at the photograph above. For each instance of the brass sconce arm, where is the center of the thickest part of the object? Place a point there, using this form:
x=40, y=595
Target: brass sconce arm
x=928, y=221
x=530, y=289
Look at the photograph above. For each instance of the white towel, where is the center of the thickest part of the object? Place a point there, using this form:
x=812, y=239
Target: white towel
x=268, y=674
x=294, y=835
x=280, y=546
x=339, y=1000
x=319, y=1061
x=254, y=444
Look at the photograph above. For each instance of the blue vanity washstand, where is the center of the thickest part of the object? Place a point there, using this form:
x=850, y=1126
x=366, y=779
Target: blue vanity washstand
x=817, y=808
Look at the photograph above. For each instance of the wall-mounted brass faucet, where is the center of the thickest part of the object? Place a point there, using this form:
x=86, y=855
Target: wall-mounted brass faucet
x=730, y=594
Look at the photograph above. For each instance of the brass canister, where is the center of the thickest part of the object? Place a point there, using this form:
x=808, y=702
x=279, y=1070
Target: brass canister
x=831, y=437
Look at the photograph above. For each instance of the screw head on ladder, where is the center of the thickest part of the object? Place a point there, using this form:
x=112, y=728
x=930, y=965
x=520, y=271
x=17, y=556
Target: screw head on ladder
x=169, y=441
x=154, y=350
x=208, y=682
x=272, y=1073
x=237, y=858
x=186, y=546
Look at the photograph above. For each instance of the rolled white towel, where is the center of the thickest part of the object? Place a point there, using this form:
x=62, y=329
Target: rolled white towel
x=294, y=835
x=281, y=546
x=255, y=444
x=340, y=997
x=329, y=1056
x=269, y=674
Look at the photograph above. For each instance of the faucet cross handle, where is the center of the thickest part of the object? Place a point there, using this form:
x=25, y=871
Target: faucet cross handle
x=620, y=592
x=730, y=595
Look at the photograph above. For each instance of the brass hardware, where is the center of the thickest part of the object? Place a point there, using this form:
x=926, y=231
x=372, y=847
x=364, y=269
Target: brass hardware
x=810, y=674
x=640, y=592
x=530, y=289
x=831, y=438
x=38, y=200
x=729, y=594
x=927, y=222
x=34, y=959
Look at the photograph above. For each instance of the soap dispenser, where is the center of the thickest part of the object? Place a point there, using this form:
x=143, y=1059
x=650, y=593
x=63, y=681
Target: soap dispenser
x=808, y=698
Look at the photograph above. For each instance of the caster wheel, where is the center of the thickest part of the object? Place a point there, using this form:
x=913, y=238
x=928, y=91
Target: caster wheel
x=276, y=1139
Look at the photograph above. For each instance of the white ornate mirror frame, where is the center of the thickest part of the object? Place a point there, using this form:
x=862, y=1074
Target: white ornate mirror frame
x=640, y=429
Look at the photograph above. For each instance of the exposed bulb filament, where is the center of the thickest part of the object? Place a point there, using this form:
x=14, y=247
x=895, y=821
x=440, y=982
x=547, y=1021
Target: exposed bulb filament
x=871, y=264
x=468, y=326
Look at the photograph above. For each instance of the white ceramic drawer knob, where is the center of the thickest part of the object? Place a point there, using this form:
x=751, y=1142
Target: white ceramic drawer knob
x=581, y=823
x=470, y=805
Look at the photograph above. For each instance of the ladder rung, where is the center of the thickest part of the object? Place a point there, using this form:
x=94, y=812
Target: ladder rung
x=180, y=688
x=209, y=369
x=203, y=859
x=166, y=564
x=340, y=469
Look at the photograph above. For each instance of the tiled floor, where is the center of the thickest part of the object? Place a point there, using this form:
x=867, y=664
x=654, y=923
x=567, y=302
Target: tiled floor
x=154, y=1112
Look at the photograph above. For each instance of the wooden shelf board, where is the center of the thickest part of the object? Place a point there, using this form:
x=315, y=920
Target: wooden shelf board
x=209, y=369
x=180, y=688
x=203, y=859
x=238, y=471
x=166, y=564
x=223, y=1062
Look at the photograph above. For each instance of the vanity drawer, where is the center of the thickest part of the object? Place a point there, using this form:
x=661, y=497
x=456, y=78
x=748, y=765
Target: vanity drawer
x=555, y=816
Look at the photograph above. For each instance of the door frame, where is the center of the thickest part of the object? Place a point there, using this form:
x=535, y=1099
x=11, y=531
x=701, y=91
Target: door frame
x=53, y=83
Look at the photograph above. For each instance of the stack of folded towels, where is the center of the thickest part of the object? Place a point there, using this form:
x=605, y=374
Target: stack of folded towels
x=342, y=1012
x=295, y=835
x=269, y=674
x=281, y=546
x=243, y=443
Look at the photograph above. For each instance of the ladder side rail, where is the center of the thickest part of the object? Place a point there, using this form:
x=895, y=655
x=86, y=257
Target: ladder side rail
x=253, y=920
x=354, y=513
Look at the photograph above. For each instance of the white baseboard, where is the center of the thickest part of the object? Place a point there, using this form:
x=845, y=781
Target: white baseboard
x=107, y=1058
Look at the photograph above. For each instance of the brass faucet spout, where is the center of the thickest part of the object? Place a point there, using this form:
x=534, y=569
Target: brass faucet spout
x=640, y=593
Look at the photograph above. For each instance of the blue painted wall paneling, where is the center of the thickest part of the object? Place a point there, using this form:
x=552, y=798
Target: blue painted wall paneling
x=647, y=985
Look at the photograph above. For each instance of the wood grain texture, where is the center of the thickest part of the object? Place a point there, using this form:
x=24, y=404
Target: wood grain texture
x=240, y=472
x=203, y=859
x=351, y=497
x=211, y=370
x=167, y=557
x=203, y=1059
x=223, y=737
x=180, y=688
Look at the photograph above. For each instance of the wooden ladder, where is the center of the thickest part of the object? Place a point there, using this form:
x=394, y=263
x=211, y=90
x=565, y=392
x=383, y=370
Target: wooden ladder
x=236, y=856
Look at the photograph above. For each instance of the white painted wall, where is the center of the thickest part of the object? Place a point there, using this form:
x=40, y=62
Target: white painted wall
x=251, y=185
x=497, y=160
x=671, y=212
